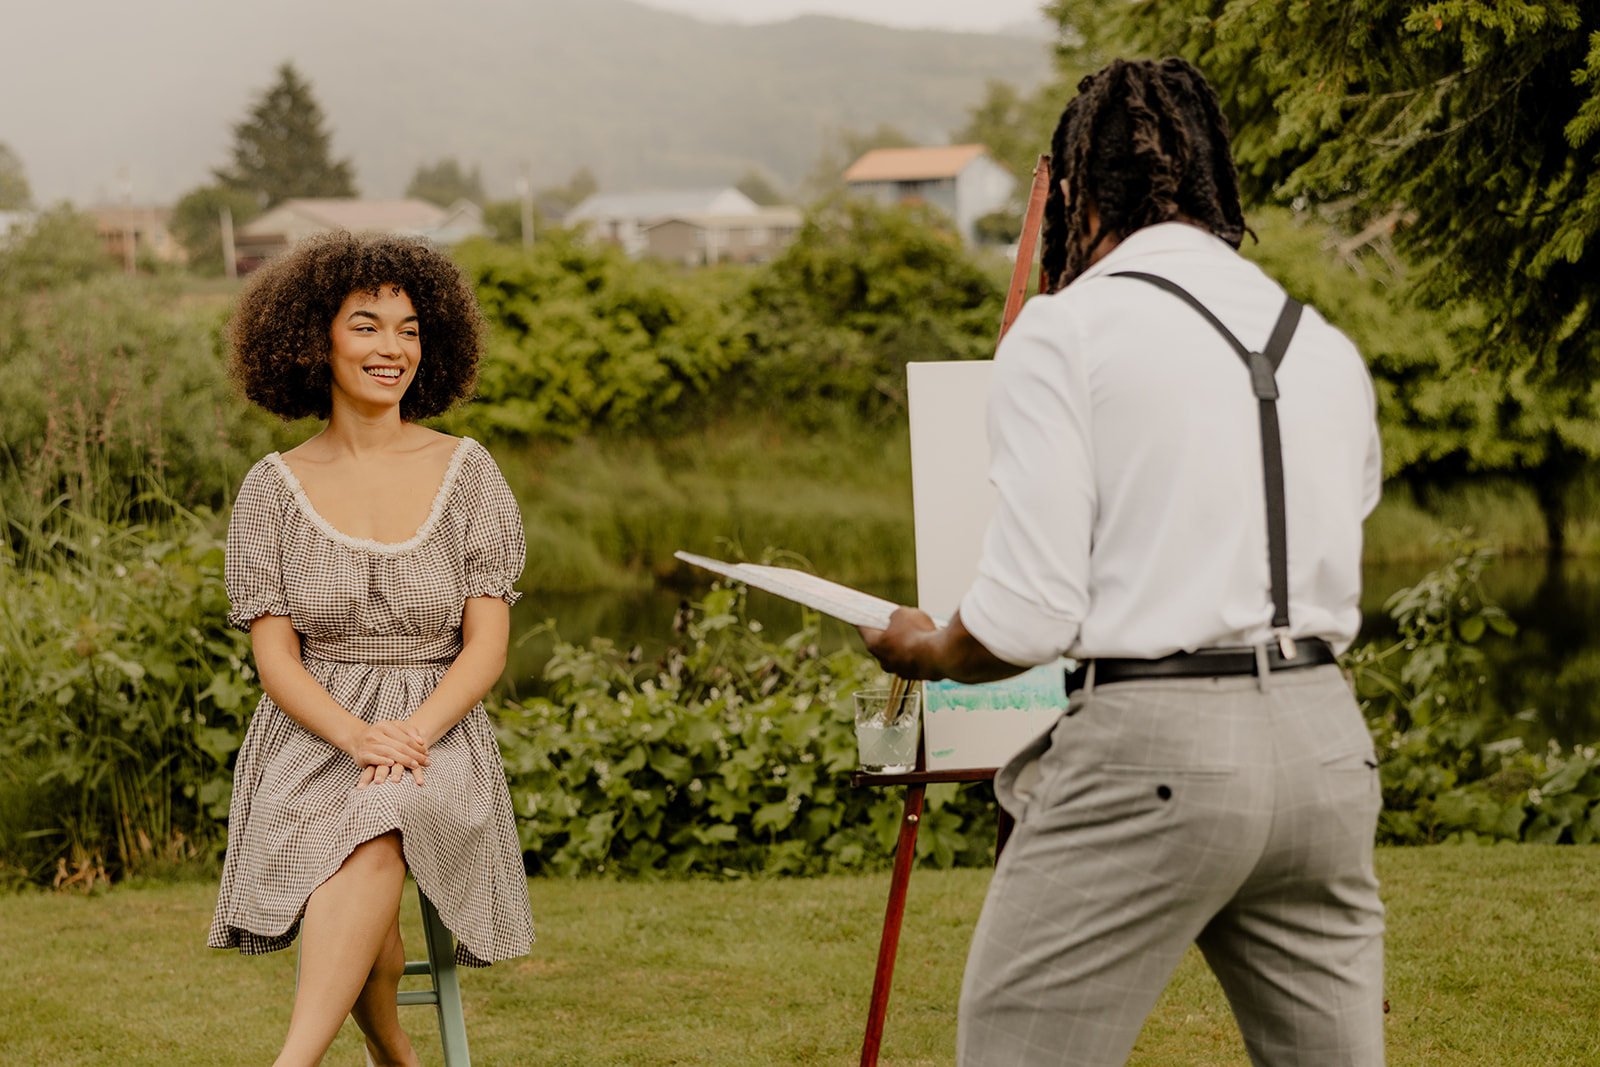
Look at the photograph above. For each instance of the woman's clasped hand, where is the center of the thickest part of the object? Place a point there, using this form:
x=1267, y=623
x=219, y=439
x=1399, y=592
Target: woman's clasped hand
x=386, y=750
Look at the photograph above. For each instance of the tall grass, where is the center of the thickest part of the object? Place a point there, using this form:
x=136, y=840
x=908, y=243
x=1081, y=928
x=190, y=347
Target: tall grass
x=607, y=513
x=122, y=695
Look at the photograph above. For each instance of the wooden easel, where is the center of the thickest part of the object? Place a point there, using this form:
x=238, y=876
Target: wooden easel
x=917, y=781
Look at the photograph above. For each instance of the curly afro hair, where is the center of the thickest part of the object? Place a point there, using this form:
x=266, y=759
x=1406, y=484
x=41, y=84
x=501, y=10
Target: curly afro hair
x=280, y=333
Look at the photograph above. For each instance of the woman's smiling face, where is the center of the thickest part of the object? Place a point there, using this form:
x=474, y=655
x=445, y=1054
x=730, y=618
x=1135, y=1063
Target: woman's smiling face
x=376, y=347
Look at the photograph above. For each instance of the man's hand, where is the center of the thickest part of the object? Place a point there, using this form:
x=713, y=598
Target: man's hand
x=902, y=649
x=914, y=647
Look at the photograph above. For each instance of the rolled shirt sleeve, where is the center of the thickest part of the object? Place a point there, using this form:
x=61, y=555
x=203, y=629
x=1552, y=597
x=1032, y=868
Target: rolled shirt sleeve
x=1032, y=589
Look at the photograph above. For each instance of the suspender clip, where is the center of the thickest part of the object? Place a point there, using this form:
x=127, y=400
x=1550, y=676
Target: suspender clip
x=1263, y=378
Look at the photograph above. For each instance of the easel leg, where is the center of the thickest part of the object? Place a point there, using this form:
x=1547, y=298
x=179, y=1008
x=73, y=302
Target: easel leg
x=905, y=854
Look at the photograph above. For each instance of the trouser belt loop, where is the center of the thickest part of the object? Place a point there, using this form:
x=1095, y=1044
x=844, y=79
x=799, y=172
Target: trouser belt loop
x=1263, y=669
x=1088, y=680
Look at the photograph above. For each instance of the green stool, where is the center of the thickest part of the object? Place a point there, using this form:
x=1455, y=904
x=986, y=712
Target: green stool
x=445, y=995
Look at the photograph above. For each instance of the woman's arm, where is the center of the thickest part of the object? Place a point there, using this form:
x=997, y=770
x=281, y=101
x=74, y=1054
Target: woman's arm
x=291, y=687
x=485, y=629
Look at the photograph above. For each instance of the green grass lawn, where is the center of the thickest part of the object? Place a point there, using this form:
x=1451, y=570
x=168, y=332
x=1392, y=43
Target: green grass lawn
x=1494, y=955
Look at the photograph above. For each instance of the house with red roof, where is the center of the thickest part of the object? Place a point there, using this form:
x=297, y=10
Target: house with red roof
x=965, y=180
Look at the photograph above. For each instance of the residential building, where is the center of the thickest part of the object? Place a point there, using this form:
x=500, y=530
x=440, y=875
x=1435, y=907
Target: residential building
x=14, y=224
x=622, y=218
x=296, y=219
x=965, y=180
x=129, y=231
x=695, y=238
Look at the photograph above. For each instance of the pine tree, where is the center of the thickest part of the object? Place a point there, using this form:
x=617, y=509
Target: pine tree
x=281, y=149
x=1480, y=117
x=1468, y=131
x=446, y=182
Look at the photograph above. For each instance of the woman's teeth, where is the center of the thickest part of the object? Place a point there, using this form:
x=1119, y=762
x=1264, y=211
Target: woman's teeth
x=389, y=373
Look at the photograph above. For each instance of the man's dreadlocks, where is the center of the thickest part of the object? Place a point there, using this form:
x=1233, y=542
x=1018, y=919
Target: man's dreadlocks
x=1144, y=142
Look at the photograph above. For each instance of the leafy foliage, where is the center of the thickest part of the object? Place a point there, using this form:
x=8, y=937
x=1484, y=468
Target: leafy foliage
x=123, y=695
x=1445, y=414
x=1479, y=116
x=759, y=186
x=843, y=148
x=15, y=194
x=197, y=222
x=59, y=246
x=115, y=386
x=1454, y=767
x=861, y=291
x=282, y=150
x=582, y=338
x=446, y=182
x=730, y=756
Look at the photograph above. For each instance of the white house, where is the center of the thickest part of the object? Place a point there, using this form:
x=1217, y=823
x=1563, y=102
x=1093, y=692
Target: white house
x=964, y=180
x=14, y=224
x=696, y=239
x=295, y=219
x=622, y=218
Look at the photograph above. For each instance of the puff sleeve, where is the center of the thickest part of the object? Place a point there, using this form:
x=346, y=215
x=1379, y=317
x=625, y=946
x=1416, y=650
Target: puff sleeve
x=496, y=547
x=253, y=570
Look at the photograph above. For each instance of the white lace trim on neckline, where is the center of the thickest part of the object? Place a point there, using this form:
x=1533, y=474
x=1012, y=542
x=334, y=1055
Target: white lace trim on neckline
x=366, y=544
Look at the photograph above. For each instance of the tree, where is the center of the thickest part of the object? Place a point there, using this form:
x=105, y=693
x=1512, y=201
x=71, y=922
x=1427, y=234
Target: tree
x=281, y=149
x=1466, y=132
x=843, y=149
x=759, y=186
x=58, y=247
x=197, y=222
x=862, y=290
x=560, y=199
x=445, y=182
x=1479, y=116
x=14, y=192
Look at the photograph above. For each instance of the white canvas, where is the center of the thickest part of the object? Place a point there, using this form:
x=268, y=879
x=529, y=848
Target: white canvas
x=965, y=726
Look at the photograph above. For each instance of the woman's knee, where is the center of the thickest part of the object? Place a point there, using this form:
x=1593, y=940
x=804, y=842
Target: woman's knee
x=381, y=854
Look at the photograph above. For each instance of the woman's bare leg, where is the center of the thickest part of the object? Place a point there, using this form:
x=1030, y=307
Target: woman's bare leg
x=347, y=922
x=375, y=1009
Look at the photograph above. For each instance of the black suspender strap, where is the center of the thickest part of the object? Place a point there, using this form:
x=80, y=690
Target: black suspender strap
x=1263, y=368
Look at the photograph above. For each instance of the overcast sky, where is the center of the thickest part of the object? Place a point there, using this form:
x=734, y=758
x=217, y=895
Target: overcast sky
x=979, y=15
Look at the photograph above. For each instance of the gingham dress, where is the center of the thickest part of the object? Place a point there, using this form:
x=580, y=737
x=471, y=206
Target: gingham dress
x=379, y=625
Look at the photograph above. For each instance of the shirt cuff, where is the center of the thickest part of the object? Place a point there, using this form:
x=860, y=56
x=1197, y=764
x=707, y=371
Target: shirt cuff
x=1016, y=630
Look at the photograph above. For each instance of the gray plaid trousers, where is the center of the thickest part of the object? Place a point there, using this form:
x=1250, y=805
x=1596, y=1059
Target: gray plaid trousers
x=1159, y=814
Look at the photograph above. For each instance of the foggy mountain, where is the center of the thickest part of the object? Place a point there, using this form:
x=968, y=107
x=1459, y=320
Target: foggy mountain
x=644, y=97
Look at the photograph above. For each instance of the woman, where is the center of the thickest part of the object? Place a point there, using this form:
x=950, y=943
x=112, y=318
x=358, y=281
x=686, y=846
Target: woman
x=372, y=566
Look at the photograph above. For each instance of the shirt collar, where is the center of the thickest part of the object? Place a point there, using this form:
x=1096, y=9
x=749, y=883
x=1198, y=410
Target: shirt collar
x=1147, y=240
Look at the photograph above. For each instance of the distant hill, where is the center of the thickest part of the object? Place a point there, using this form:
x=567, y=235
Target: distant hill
x=643, y=97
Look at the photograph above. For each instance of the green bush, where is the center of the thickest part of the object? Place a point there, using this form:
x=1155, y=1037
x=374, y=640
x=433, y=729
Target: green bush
x=583, y=339
x=115, y=382
x=1453, y=766
x=58, y=247
x=860, y=292
x=123, y=696
x=730, y=756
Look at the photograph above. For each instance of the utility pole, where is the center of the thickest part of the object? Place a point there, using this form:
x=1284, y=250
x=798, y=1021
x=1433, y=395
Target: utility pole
x=230, y=263
x=130, y=261
x=525, y=191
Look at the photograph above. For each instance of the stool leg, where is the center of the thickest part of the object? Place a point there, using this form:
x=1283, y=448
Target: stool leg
x=442, y=957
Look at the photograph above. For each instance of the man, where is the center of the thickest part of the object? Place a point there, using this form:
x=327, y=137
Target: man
x=1182, y=514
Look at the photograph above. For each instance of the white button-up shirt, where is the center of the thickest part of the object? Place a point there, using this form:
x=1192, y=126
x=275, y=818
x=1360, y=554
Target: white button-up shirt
x=1126, y=448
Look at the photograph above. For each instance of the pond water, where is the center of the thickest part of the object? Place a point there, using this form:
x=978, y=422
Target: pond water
x=1551, y=665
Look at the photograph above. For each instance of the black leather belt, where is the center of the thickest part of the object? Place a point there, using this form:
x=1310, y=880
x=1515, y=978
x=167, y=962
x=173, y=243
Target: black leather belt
x=1206, y=663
